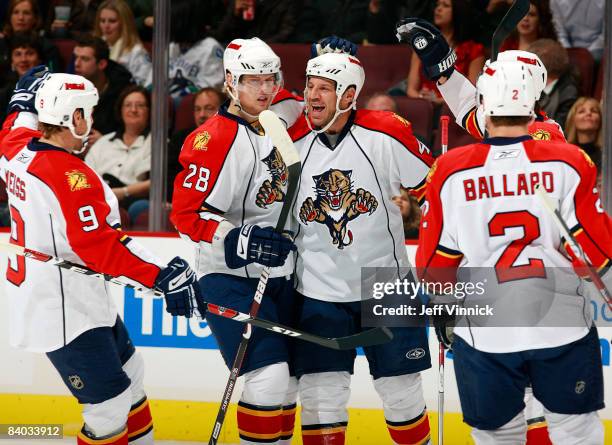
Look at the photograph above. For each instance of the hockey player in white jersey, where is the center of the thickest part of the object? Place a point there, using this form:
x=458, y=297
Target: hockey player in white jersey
x=482, y=212
x=353, y=162
x=59, y=206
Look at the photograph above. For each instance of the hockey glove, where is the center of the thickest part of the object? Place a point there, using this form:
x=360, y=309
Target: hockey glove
x=25, y=90
x=444, y=325
x=333, y=44
x=253, y=244
x=429, y=45
x=180, y=287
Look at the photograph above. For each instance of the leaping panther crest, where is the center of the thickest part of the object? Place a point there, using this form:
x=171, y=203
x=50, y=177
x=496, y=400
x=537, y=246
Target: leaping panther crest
x=336, y=204
x=273, y=190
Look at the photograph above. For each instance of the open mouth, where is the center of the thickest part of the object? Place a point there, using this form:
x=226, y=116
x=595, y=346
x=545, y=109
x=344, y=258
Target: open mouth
x=317, y=109
x=334, y=201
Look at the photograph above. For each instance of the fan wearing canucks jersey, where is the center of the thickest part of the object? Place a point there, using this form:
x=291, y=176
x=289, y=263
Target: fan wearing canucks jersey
x=353, y=162
x=482, y=212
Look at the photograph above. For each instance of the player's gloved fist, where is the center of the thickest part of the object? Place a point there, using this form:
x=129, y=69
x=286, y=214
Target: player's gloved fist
x=444, y=324
x=25, y=90
x=180, y=287
x=253, y=244
x=333, y=44
x=429, y=45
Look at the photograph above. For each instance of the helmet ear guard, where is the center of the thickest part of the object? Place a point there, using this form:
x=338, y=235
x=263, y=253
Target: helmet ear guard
x=345, y=70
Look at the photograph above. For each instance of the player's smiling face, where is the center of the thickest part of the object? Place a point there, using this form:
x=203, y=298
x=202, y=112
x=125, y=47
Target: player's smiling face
x=322, y=98
x=257, y=91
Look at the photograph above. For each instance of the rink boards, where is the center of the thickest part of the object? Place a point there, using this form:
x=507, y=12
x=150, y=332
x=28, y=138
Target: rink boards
x=185, y=375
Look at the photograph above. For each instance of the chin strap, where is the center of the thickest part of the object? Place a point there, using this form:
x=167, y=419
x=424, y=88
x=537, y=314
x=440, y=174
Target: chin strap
x=338, y=112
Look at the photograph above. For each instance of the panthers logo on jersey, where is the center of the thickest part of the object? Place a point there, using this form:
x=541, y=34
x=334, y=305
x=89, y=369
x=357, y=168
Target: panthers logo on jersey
x=77, y=180
x=336, y=204
x=541, y=135
x=273, y=191
x=201, y=141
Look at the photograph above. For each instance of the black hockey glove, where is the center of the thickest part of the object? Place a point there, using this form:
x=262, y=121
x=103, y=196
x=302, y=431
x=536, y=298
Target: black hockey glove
x=333, y=44
x=444, y=324
x=180, y=287
x=253, y=244
x=429, y=45
x=25, y=90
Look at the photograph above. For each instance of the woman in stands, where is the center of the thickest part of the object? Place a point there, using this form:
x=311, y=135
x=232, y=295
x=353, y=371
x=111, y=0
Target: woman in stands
x=24, y=16
x=452, y=18
x=123, y=157
x=584, y=128
x=537, y=24
x=115, y=24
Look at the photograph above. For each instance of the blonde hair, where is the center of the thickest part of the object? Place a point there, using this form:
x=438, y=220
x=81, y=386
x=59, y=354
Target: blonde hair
x=129, y=35
x=570, y=124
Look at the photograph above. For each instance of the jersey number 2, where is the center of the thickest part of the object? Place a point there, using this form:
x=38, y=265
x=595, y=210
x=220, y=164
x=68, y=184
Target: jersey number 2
x=505, y=268
x=16, y=275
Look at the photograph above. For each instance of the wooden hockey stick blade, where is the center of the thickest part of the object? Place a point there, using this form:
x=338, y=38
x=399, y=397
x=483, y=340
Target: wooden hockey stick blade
x=550, y=206
x=371, y=337
x=515, y=14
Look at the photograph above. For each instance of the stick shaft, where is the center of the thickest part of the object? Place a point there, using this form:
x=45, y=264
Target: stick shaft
x=444, y=120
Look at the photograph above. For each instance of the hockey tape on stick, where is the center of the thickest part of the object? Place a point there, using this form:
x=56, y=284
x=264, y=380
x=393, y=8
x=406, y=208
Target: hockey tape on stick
x=276, y=131
x=444, y=120
x=367, y=338
x=579, y=253
x=515, y=14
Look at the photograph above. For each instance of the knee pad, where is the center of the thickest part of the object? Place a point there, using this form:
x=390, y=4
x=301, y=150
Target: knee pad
x=266, y=386
x=565, y=429
x=402, y=396
x=512, y=433
x=134, y=368
x=109, y=417
x=324, y=397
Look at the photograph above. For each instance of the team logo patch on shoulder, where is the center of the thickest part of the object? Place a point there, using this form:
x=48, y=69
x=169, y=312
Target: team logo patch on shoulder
x=401, y=119
x=335, y=204
x=587, y=157
x=272, y=191
x=201, y=141
x=541, y=135
x=432, y=170
x=77, y=180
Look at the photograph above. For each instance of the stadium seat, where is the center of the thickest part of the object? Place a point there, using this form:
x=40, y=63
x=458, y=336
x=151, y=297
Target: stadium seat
x=420, y=114
x=65, y=48
x=293, y=63
x=125, y=218
x=598, y=90
x=582, y=60
x=183, y=117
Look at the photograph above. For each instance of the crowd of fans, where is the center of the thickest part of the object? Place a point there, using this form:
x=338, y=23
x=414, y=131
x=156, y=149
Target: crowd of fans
x=113, y=44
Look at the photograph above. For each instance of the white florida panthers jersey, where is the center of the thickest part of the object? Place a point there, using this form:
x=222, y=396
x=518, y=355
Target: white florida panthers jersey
x=59, y=206
x=481, y=211
x=346, y=218
x=232, y=175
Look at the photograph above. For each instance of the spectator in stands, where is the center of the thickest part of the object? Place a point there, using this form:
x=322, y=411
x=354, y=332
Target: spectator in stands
x=384, y=14
x=25, y=50
x=205, y=104
x=537, y=24
x=195, y=60
x=81, y=22
x=411, y=214
x=452, y=17
x=381, y=101
x=271, y=20
x=91, y=60
x=123, y=157
x=115, y=24
x=580, y=24
x=24, y=16
x=561, y=91
x=143, y=15
x=584, y=128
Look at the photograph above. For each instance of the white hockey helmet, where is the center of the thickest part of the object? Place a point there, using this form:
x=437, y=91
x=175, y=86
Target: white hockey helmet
x=506, y=89
x=345, y=70
x=537, y=68
x=250, y=56
x=60, y=95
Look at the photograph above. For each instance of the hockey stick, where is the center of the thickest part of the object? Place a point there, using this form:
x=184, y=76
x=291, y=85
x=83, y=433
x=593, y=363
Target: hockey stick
x=275, y=129
x=444, y=120
x=579, y=253
x=367, y=338
x=515, y=14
